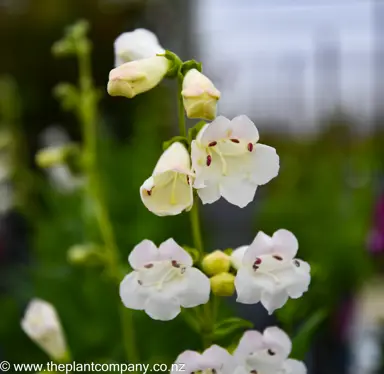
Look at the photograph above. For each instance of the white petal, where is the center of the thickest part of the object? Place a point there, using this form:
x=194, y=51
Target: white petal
x=251, y=341
x=201, y=132
x=244, y=128
x=261, y=245
x=276, y=336
x=218, y=129
x=170, y=250
x=145, y=252
x=197, y=288
x=237, y=191
x=265, y=164
x=285, y=243
x=294, y=367
x=190, y=359
x=131, y=293
x=247, y=292
x=273, y=301
x=161, y=308
x=176, y=157
x=209, y=194
x=218, y=358
x=237, y=256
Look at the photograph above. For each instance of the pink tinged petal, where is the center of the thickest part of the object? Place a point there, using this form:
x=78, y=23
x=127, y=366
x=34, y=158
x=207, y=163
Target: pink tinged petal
x=145, y=252
x=265, y=164
x=276, y=336
x=218, y=129
x=196, y=289
x=247, y=292
x=251, y=341
x=239, y=192
x=218, y=358
x=170, y=250
x=261, y=245
x=209, y=194
x=244, y=128
x=132, y=294
x=162, y=308
x=190, y=359
x=273, y=301
x=285, y=243
x=294, y=367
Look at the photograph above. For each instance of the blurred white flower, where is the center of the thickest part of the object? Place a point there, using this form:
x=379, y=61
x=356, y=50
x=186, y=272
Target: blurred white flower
x=265, y=353
x=200, y=96
x=42, y=325
x=213, y=360
x=136, y=77
x=163, y=280
x=230, y=163
x=136, y=45
x=169, y=190
x=269, y=273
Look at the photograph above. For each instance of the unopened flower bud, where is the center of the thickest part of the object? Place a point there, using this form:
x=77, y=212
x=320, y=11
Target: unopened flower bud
x=216, y=262
x=41, y=323
x=200, y=96
x=223, y=284
x=50, y=156
x=135, y=77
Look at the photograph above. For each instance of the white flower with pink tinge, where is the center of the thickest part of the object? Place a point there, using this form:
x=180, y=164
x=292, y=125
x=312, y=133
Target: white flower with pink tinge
x=269, y=272
x=163, y=280
x=267, y=353
x=214, y=360
x=230, y=163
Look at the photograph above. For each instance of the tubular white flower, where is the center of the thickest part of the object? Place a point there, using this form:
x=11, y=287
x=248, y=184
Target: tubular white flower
x=41, y=323
x=213, y=360
x=136, y=77
x=136, y=45
x=200, y=96
x=163, y=280
x=269, y=273
x=169, y=190
x=265, y=353
x=237, y=256
x=229, y=161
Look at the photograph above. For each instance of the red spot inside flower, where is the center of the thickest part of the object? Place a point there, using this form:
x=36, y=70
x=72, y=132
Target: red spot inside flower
x=277, y=257
x=250, y=147
x=254, y=267
x=235, y=140
x=270, y=352
x=297, y=263
x=253, y=372
x=140, y=282
x=148, y=266
x=258, y=261
x=187, y=179
x=175, y=264
x=209, y=160
x=212, y=144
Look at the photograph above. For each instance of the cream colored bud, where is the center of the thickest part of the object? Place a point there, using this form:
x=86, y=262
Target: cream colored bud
x=50, y=156
x=200, y=96
x=216, y=262
x=223, y=284
x=136, y=77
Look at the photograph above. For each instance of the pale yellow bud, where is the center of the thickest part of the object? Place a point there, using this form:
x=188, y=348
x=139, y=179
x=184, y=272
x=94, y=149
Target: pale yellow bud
x=200, y=96
x=50, y=156
x=223, y=284
x=136, y=77
x=216, y=262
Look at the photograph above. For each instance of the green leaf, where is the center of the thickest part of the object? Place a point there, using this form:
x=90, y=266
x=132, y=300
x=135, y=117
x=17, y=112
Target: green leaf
x=302, y=340
x=189, y=65
x=176, y=63
x=229, y=326
x=181, y=139
x=193, y=131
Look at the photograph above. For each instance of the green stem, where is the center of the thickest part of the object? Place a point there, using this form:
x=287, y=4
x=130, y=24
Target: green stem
x=196, y=231
x=87, y=113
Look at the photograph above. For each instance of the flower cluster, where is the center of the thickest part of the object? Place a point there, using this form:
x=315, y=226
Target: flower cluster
x=265, y=353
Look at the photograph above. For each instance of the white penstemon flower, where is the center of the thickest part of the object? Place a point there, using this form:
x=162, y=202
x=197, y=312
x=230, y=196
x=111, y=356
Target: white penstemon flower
x=42, y=325
x=229, y=161
x=267, y=353
x=136, y=45
x=200, y=96
x=163, y=280
x=214, y=360
x=269, y=272
x=169, y=190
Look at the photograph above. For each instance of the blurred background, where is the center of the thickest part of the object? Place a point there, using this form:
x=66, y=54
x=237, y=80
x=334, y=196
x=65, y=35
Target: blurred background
x=310, y=73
